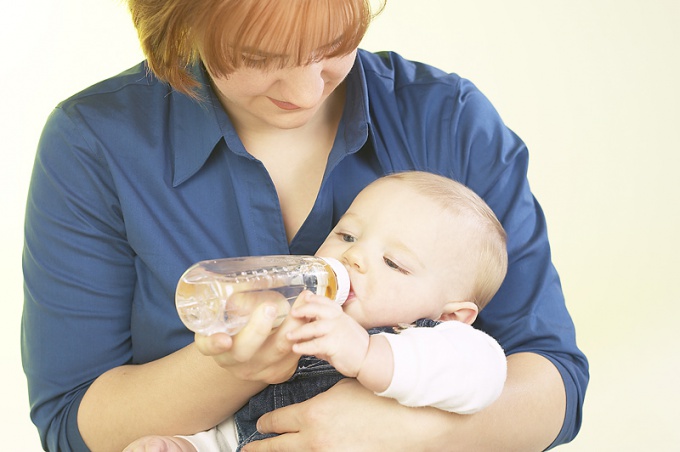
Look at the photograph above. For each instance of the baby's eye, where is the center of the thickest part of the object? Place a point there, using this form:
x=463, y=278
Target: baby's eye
x=347, y=237
x=390, y=263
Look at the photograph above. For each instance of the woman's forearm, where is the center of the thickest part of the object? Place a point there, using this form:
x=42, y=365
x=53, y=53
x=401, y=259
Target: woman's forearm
x=182, y=393
x=527, y=417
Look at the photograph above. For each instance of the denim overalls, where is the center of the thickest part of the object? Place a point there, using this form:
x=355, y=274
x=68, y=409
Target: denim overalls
x=312, y=377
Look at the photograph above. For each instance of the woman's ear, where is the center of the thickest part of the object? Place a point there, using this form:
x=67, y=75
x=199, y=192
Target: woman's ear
x=462, y=311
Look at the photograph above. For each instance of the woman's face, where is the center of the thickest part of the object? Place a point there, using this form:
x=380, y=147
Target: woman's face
x=283, y=98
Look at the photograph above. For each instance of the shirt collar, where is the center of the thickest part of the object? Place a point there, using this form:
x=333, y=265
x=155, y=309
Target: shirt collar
x=356, y=116
x=199, y=125
x=195, y=128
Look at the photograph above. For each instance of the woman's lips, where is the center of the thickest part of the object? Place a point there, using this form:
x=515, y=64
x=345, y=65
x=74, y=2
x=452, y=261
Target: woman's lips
x=284, y=105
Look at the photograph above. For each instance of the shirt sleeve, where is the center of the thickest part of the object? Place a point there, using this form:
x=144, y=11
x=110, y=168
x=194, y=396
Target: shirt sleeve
x=429, y=120
x=79, y=280
x=452, y=366
x=528, y=314
x=222, y=438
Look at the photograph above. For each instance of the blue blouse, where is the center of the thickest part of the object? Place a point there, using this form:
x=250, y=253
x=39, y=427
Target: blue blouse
x=133, y=183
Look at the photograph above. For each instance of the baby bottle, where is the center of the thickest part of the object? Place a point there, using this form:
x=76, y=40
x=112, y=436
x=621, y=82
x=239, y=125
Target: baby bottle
x=219, y=295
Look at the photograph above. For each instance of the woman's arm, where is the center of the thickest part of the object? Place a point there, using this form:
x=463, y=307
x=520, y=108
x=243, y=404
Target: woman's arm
x=97, y=377
x=528, y=416
x=188, y=391
x=182, y=393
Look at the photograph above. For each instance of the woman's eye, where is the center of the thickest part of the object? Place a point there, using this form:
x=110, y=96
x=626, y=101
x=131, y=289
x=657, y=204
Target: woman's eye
x=390, y=263
x=335, y=45
x=325, y=51
x=253, y=60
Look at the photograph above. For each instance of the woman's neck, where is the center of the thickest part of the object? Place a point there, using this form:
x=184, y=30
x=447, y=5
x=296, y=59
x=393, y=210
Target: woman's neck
x=296, y=158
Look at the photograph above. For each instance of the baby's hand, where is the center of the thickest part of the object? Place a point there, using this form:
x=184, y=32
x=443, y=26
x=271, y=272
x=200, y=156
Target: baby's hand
x=160, y=444
x=330, y=334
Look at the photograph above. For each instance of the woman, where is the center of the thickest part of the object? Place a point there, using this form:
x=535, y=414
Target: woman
x=249, y=131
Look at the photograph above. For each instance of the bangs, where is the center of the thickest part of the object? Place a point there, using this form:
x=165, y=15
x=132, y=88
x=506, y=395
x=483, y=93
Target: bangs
x=271, y=34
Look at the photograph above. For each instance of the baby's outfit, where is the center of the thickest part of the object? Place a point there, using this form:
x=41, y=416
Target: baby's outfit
x=448, y=365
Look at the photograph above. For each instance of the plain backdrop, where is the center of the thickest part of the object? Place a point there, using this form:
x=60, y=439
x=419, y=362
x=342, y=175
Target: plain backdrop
x=590, y=85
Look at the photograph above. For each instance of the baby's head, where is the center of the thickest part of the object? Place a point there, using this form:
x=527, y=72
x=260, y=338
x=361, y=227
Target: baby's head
x=418, y=245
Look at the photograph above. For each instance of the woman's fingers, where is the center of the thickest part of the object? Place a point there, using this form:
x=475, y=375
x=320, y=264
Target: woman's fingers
x=213, y=345
x=254, y=334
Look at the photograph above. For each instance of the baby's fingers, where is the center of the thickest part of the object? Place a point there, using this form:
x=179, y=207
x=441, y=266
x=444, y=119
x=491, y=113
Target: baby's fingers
x=316, y=307
x=317, y=346
x=308, y=331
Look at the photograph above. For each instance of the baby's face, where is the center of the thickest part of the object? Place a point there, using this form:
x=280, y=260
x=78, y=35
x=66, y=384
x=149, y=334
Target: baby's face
x=406, y=258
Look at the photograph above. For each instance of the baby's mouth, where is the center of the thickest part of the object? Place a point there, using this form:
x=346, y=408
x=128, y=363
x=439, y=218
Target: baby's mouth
x=351, y=295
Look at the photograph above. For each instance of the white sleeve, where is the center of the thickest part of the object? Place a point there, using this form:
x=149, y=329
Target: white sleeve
x=218, y=439
x=452, y=366
x=204, y=441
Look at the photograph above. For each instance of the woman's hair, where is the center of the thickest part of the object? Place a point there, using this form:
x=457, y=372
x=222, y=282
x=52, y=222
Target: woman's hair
x=175, y=34
x=488, y=233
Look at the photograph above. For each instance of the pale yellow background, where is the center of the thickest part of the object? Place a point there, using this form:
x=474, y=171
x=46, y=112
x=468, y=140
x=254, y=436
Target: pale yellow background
x=590, y=85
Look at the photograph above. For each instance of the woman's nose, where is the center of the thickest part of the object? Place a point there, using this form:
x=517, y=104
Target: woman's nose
x=303, y=85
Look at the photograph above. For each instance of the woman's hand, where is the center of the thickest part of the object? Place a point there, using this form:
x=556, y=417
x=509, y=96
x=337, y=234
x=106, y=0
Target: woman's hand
x=346, y=417
x=527, y=417
x=260, y=351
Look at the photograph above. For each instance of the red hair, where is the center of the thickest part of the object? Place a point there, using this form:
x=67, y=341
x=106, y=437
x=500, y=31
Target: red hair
x=175, y=34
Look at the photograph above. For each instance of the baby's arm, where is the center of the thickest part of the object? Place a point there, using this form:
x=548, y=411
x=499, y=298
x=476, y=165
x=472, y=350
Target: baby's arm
x=336, y=337
x=453, y=367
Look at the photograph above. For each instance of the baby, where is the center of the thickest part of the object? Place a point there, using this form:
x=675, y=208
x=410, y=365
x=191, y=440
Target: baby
x=425, y=254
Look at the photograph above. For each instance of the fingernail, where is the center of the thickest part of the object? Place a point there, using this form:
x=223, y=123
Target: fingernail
x=223, y=341
x=270, y=312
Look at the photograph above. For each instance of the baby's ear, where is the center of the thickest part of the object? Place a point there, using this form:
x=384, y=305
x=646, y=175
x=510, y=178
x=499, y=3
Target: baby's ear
x=462, y=311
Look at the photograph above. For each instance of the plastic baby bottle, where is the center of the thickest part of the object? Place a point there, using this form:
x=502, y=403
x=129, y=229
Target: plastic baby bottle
x=219, y=295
